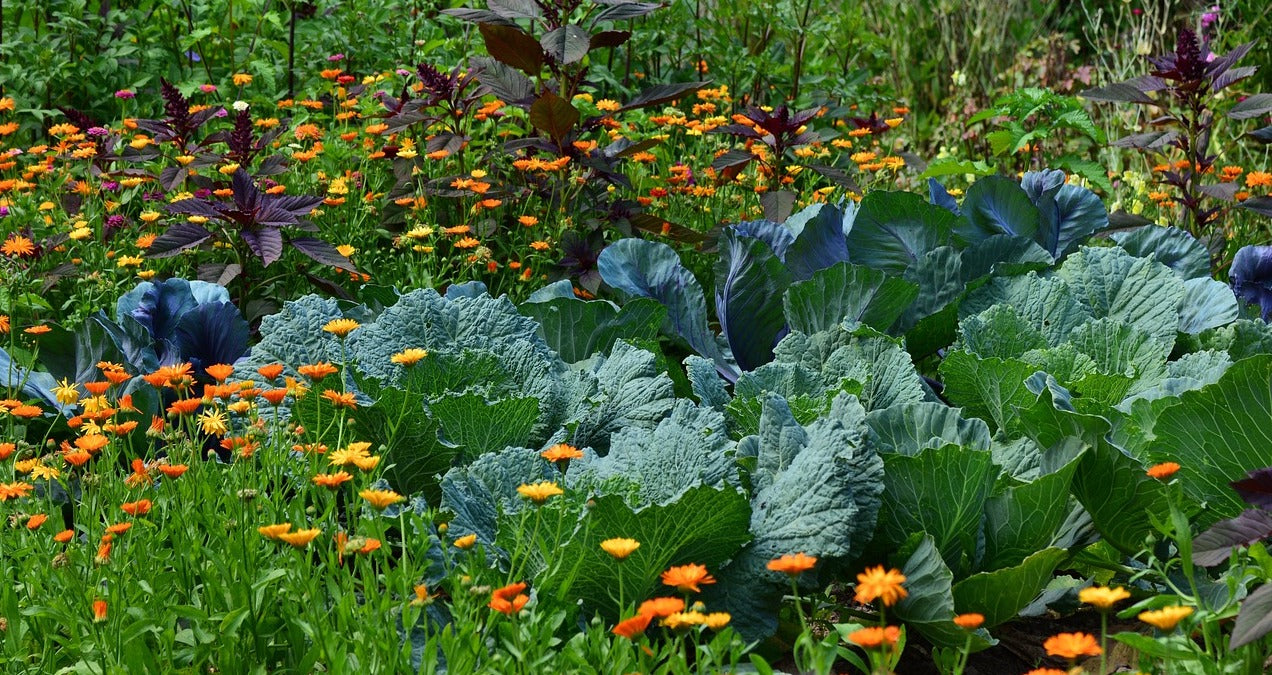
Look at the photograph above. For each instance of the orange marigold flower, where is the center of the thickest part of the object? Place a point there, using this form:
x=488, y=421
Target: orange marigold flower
x=64, y=536
x=1047, y=671
x=661, y=607
x=103, y=553
x=409, y=357
x=970, y=621
x=1072, y=645
x=299, y=538
x=467, y=242
x=91, y=442
x=793, y=565
x=633, y=627
x=509, y=599
x=562, y=451
x=185, y=406
x=97, y=388
x=27, y=411
x=99, y=610
x=119, y=528
x=36, y=521
x=340, y=399
x=173, y=470
x=1259, y=179
x=687, y=578
x=6, y=450
x=381, y=499
x=274, y=396
x=220, y=371
x=271, y=371
x=465, y=542
x=875, y=582
x=874, y=637
x=332, y=481
x=138, y=508
x=17, y=246
x=1163, y=471
x=317, y=371
x=15, y=490
x=272, y=531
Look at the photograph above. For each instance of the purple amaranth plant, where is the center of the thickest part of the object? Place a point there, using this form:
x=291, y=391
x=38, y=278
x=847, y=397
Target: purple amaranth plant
x=1185, y=84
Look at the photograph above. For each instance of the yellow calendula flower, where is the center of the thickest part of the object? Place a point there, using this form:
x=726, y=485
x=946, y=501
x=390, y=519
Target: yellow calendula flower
x=341, y=327
x=1102, y=597
x=620, y=548
x=409, y=357
x=466, y=542
x=539, y=492
x=214, y=422
x=381, y=499
x=1166, y=618
x=66, y=392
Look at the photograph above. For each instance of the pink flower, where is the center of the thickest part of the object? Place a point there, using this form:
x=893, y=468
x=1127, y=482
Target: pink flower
x=124, y=93
x=207, y=88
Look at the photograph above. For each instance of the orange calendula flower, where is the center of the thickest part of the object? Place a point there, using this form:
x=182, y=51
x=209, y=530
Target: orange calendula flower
x=220, y=371
x=341, y=327
x=661, y=607
x=341, y=399
x=509, y=599
x=1072, y=645
x=317, y=371
x=539, y=492
x=7, y=449
x=99, y=611
x=687, y=578
x=620, y=548
x=138, y=508
x=64, y=536
x=1163, y=471
x=119, y=528
x=1166, y=618
x=173, y=470
x=77, y=458
x=299, y=538
x=561, y=452
x=970, y=621
x=332, y=481
x=875, y=582
x=272, y=531
x=421, y=595
x=381, y=499
x=17, y=246
x=633, y=627
x=185, y=406
x=1103, y=597
x=270, y=372
x=875, y=637
x=792, y=565
x=1047, y=671
x=36, y=521
x=15, y=490
x=466, y=542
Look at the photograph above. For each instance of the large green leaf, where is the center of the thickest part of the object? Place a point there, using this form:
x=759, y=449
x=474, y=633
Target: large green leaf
x=991, y=389
x=480, y=426
x=1000, y=594
x=940, y=491
x=929, y=607
x=1170, y=246
x=878, y=362
x=939, y=275
x=1109, y=483
x=687, y=448
x=1141, y=292
x=910, y=428
x=414, y=455
x=998, y=205
x=479, y=493
x=999, y=332
x=624, y=391
x=1025, y=518
x=1048, y=304
x=577, y=329
x=750, y=283
x=893, y=230
x=1218, y=434
x=1207, y=304
x=847, y=292
x=704, y=525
